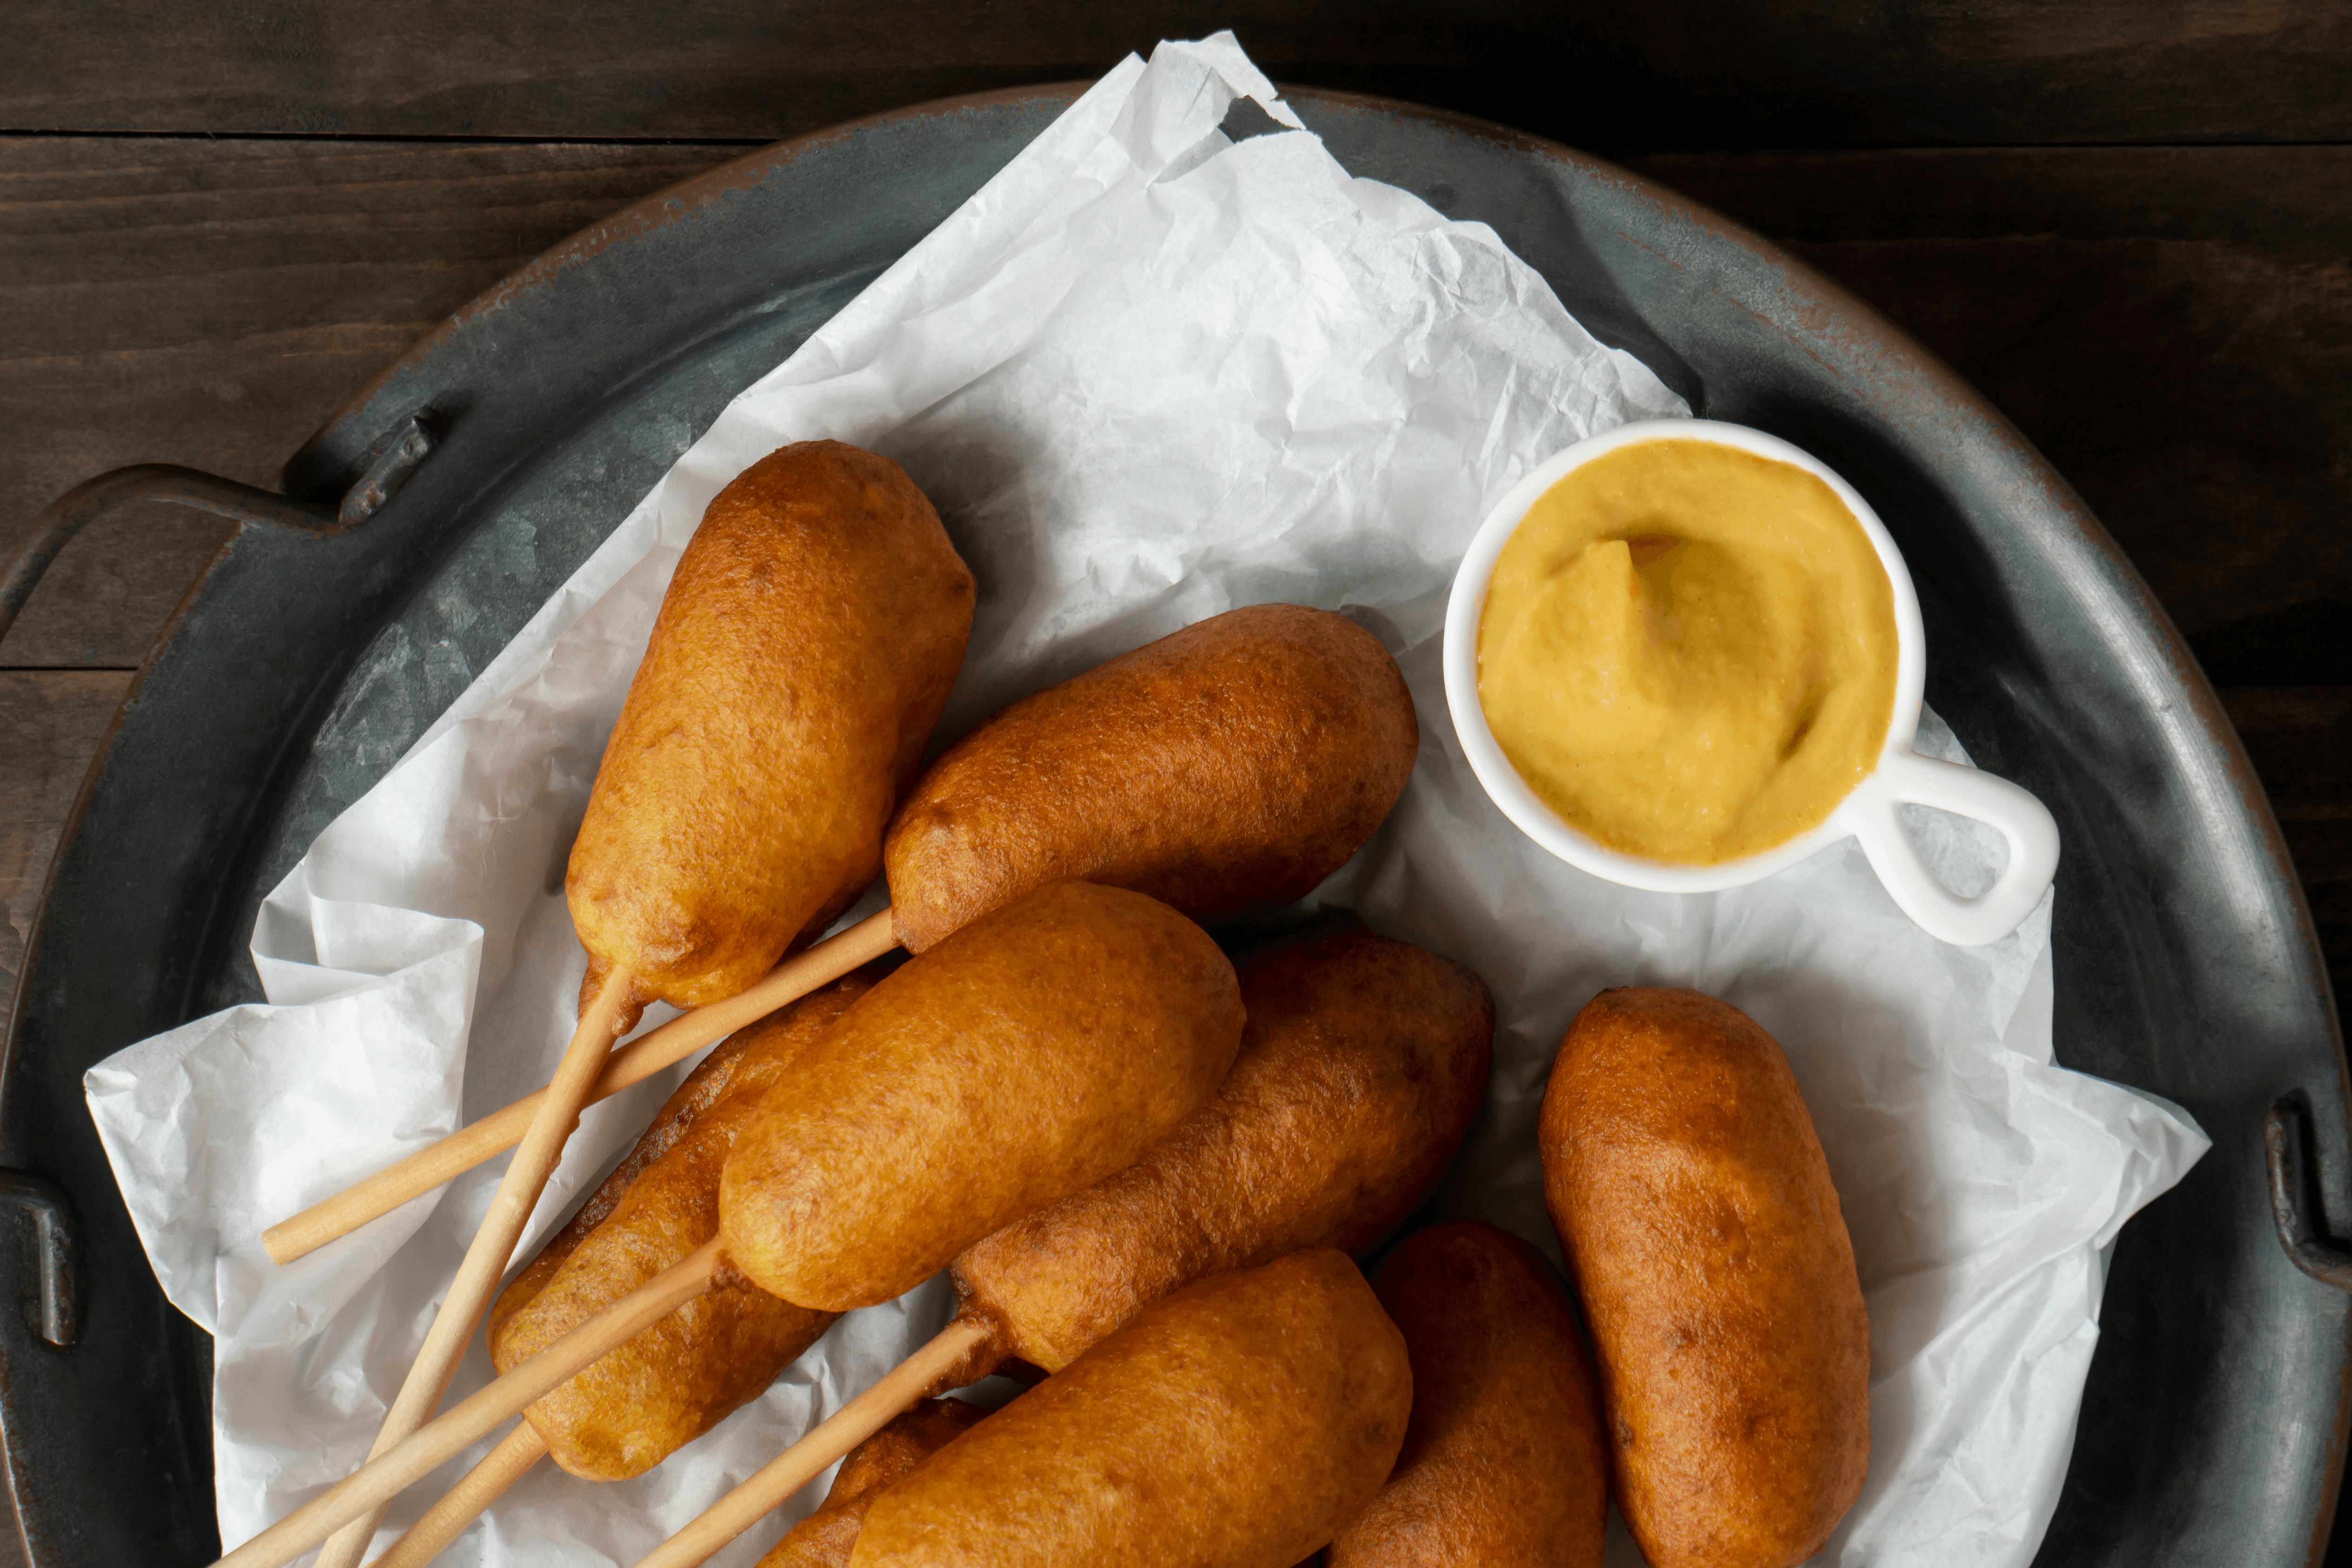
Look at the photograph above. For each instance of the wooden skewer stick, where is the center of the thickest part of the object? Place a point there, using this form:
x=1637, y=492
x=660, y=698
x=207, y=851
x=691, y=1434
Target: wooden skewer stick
x=831, y=1438
x=674, y=1041
x=494, y=1243
x=844, y=1430
x=484, y=1485
x=732, y=1514
x=479, y=1414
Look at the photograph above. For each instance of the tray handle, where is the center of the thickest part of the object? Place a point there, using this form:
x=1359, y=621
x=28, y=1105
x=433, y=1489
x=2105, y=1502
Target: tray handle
x=2282, y=1149
x=53, y=1306
x=389, y=466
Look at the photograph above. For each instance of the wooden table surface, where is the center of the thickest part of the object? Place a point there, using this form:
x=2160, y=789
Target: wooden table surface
x=2129, y=224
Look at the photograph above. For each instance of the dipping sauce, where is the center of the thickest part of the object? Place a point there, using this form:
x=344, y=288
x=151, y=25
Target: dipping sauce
x=1688, y=651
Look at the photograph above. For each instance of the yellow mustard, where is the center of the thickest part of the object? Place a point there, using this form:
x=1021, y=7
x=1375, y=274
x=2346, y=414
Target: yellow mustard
x=1689, y=651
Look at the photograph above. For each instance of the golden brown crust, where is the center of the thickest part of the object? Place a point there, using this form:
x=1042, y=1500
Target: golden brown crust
x=824, y=1540
x=801, y=657
x=1232, y=766
x=1361, y=1066
x=1504, y=1464
x=1239, y=1422
x=763, y=1050
x=1034, y=1051
x=1689, y=1190
x=679, y=1378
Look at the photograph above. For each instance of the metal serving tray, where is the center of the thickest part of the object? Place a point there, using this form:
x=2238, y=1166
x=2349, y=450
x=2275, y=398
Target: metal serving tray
x=528, y=425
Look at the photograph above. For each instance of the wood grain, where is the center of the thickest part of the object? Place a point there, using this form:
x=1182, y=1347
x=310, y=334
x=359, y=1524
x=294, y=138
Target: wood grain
x=210, y=303
x=1678, y=74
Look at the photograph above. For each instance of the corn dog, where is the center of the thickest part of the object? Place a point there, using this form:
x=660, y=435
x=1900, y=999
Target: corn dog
x=681, y=1378
x=1229, y=767
x=1361, y=1067
x=746, y=1061
x=1095, y=1020
x=1038, y=1049
x=1232, y=766
x=1692, y=1201
x=824, y=1539
x=801, y=655
x=1504, y=1464
x=742, y=1064
x=1240, y=1422
x=1361, y=1064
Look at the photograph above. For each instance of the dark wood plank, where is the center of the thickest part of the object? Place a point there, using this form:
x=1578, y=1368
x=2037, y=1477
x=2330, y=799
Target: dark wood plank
x=210, y=303
x=1680, y=74
x=54, y=720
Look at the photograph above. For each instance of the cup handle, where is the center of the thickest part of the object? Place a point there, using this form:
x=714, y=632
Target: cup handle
x=2033, y=834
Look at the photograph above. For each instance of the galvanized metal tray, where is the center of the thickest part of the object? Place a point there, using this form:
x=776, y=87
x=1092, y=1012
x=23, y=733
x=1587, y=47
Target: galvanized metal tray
x=527, y=427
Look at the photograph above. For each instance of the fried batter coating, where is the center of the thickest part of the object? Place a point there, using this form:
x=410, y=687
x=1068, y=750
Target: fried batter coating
x=1692, y=1198
x=626, y=1412
x=1230, y=767
x=1034, y=1051
x=762, y=1051
x=1240, y=1422
x=801, y=655
x=1504, y=1464
x=824, y=1539
x=1361, y=1066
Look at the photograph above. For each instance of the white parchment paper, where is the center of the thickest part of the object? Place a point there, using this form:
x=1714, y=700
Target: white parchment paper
x=1147, y=374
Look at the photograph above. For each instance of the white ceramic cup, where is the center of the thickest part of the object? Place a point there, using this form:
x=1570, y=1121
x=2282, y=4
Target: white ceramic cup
x=1869, y=811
